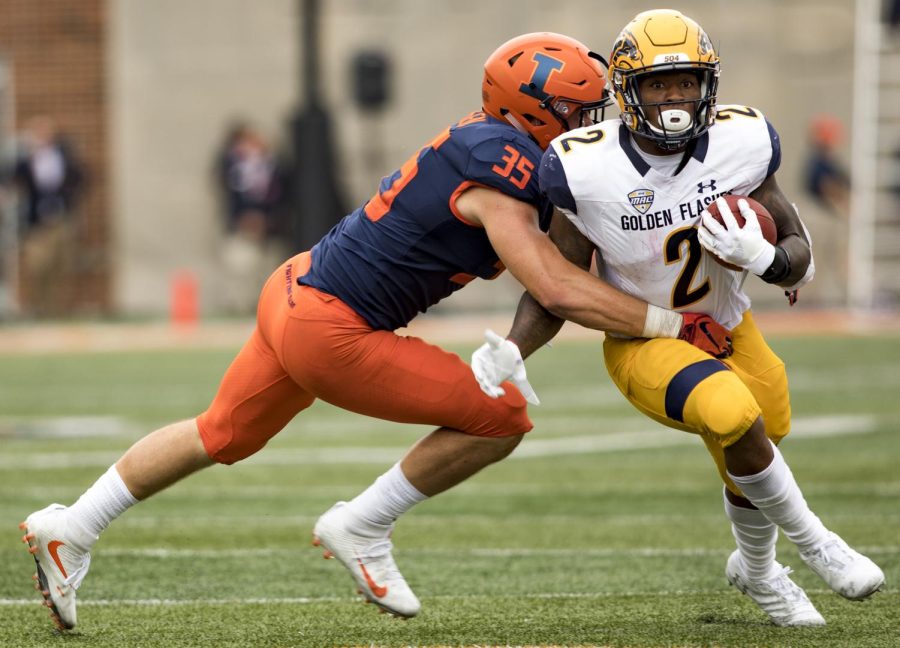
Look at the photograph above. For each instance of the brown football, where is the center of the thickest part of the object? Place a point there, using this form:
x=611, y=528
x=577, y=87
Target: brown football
x=766, y=222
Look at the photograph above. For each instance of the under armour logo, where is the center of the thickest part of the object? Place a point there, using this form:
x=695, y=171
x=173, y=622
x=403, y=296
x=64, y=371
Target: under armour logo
x=703, y=186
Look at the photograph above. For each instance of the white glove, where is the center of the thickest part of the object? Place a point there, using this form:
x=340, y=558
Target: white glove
x=744, y=246
x=497, y=360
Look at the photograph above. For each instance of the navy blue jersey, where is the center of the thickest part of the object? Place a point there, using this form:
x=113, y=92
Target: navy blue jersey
x=408, y=247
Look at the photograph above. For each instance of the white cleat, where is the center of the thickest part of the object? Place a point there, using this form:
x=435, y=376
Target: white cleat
x=846, y=571
x=778, y=596
x=369, y=561
x=61, y=565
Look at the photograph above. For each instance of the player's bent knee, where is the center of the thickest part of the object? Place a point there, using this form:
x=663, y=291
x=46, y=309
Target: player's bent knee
x=722, y=407
x=222, y=444
x=502, y=417
x=504, y=445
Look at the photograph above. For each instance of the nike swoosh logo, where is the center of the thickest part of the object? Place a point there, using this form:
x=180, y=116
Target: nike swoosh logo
x=704, y=328
x=378, y=590
x=53, y=547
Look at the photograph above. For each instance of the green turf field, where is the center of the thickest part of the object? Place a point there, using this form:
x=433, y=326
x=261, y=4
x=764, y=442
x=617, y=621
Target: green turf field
x=602, y=529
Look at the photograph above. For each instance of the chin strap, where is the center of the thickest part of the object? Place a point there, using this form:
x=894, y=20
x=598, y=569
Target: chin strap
x=519, y=126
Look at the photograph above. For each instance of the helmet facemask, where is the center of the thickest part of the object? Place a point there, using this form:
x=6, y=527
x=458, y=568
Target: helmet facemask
x=562, y=109
x=670, y=131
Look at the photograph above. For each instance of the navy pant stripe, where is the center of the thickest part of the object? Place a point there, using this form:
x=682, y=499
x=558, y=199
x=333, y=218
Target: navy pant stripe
x=681, y=386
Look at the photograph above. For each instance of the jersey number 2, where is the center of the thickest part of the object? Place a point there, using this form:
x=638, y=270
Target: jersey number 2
x=682, y=295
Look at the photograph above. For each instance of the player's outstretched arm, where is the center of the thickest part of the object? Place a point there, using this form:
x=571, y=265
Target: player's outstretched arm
x=534, y=325
x=559, y=286
x=558, y=289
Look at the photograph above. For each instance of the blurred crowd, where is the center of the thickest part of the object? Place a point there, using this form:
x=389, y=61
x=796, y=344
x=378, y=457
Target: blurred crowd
x=47, y=180
x=254, y=196
x=41, y=188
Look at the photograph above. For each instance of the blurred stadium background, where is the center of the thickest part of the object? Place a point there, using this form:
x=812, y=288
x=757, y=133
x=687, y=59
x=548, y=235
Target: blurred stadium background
x=147, y=90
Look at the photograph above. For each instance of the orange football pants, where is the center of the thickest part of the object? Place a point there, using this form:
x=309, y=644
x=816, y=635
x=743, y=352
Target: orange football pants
x=308, y=344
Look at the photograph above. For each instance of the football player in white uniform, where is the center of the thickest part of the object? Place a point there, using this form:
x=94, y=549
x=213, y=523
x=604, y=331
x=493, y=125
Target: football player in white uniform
x=634, y=191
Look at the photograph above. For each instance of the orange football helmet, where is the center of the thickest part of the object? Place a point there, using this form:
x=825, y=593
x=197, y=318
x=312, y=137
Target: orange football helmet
x=544, y=84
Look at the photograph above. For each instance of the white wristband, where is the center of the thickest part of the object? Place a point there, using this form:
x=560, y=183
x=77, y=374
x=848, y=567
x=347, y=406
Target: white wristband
x=763, y=260
x=661, y=323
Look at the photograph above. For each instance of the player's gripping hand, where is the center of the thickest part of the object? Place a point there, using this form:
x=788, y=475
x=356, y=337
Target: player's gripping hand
x=499, y=359
x=741, y=246
x=706, y=334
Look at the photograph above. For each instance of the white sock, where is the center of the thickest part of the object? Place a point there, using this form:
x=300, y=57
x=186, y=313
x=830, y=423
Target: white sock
x=755, y=536
x=389, y=497
x=102, y=503
x=774, y=491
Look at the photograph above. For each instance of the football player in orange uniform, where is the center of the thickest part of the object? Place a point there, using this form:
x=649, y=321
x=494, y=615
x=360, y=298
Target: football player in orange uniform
x=672, y=151
x=465, y=205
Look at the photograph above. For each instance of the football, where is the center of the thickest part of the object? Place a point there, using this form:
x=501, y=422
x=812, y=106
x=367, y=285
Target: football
x=766, y=222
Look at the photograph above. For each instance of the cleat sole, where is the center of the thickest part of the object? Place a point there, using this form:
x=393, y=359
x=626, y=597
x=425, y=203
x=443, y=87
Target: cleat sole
x=42, y=585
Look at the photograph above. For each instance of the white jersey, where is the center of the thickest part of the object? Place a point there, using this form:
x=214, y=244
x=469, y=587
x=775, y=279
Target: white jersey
x=644, y=223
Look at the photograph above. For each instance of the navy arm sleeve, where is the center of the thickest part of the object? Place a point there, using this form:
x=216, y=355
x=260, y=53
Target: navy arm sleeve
x=775, y=160
x=553, y=181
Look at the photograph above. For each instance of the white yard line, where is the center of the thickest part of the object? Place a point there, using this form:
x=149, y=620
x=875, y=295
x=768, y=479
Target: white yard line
x=659, y=437
x=428, y=521
x=634, y=552
x=304, y=600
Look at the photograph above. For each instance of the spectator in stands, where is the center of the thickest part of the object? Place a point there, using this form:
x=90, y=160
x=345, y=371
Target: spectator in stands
x=252, y=187
x=827, y=182
x=49, y=179
x=826, y=179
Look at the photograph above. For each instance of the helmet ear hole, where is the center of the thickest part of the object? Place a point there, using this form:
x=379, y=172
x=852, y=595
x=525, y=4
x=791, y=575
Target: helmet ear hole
x=534, y=121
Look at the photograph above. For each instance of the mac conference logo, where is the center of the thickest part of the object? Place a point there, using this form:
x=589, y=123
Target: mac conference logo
x=641, y=199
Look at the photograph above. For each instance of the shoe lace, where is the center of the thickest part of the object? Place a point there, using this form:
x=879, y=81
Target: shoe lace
x=77, y=575
x=782, y=585
x=834, y=552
